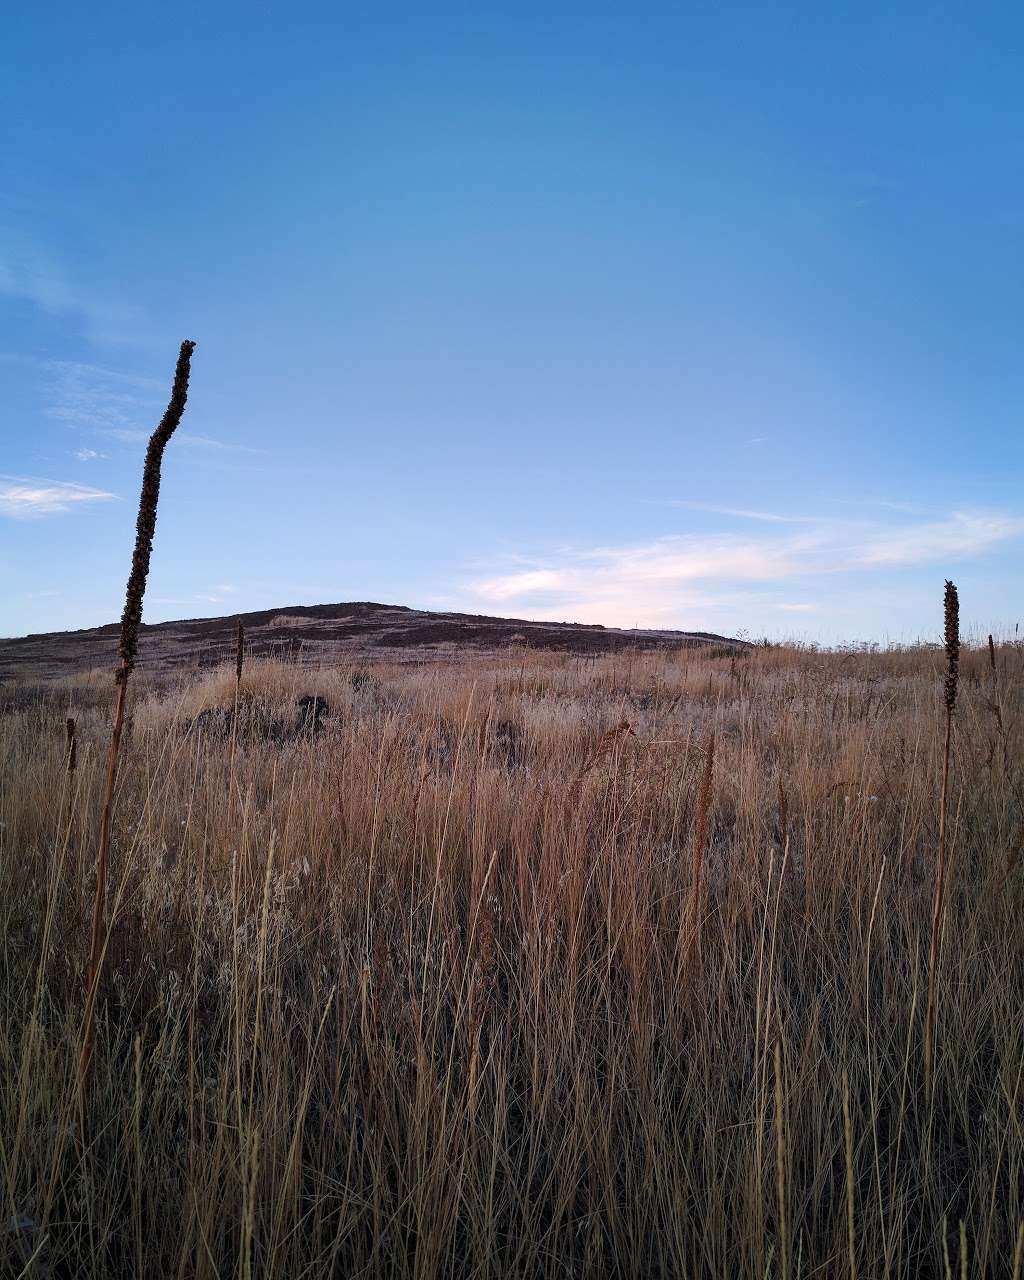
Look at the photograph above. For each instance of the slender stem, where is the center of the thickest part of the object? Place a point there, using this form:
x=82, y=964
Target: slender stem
x=96, y=949
x=234, y=736
x=696, y=911
x=71, y=764
x=937, y=908
x=239, y=658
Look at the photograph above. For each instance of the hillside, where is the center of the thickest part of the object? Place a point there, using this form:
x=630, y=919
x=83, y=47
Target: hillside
x=326, y=632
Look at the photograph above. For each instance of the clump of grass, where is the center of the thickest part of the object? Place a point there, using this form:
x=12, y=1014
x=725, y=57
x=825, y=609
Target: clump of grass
x=128, y=648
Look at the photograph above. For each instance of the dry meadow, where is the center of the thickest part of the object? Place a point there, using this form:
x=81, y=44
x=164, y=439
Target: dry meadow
x=498, y=967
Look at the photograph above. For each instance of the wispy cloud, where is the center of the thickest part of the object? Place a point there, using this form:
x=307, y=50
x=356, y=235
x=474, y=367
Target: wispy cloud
x=23, y=499
x=187, y=439
x=119, y=406
x=959, y=536
x=32, y=273
x=88, y=455
x=90, y=397
x=672, y=579
x=744, y=513
x=212, y=595
x=27, y=271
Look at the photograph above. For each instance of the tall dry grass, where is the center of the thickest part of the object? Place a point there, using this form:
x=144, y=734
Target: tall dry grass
x=417, y=997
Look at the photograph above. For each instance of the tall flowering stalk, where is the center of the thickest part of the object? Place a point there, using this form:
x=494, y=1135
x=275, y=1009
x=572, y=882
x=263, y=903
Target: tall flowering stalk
x=130, y=619
x=952, y=637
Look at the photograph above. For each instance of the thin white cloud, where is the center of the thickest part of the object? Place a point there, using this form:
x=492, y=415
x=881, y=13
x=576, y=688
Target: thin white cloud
x=33, y=274
x=188, y=439
x=674, y=578
x=116, y=405
x=959, y=535
x=193, y=441
x=744, y=513
x=512, y=585
x=213, y=595
x=904, y=508
x=23, y=499
x=28, y=272
x=93, y=398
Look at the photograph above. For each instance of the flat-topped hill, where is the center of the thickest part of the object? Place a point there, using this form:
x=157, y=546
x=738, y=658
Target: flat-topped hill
x=324, y=633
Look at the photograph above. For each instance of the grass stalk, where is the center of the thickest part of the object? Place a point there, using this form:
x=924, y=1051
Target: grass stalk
x=70, y=769
x=851, y=1246
x=695, y=915
x=239, y=658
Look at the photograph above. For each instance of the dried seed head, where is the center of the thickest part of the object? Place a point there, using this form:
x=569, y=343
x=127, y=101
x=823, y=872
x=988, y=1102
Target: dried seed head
x=239, y=651
x=71, y=746
x=952, y=611
x=146, y=523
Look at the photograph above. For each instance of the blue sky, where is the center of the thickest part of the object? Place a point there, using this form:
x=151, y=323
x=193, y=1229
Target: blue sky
x=671, y=315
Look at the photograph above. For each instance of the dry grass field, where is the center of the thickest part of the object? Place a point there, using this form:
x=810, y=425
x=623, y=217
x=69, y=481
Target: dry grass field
x=486, y=968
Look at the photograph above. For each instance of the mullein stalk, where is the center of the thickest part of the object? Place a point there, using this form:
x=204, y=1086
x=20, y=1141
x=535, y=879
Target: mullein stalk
x=952, y=638
x=128, y=648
